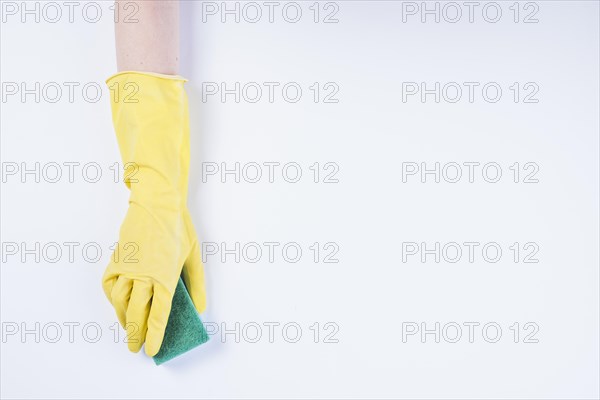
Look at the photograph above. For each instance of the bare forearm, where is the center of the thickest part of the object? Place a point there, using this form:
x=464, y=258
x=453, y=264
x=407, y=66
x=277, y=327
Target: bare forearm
x=152, y=43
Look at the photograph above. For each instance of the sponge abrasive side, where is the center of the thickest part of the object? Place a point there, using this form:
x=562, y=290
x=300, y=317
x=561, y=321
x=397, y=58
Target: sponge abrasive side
x=184, y=331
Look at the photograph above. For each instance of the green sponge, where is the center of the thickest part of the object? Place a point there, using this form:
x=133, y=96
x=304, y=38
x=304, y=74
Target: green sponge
x=184, y=329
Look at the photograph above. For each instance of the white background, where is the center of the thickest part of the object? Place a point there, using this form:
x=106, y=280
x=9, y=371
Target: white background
x=370, y=294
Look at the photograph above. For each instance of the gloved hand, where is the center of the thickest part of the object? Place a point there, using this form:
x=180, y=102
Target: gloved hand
x=157, y=240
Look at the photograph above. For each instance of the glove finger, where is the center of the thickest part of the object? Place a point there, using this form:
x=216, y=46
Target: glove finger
x=193, y=277
x=137, y=315
x=107, y=286
x=157, y=319
x=119, y=297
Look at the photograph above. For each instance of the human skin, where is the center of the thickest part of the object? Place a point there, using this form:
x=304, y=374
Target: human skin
x=147, y=36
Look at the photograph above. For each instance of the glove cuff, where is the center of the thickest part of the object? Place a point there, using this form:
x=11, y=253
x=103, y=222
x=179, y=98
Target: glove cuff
x=151, y=121
x=120, y=75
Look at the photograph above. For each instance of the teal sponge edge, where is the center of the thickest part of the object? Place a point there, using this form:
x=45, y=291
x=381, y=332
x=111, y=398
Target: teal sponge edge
x=184, y=331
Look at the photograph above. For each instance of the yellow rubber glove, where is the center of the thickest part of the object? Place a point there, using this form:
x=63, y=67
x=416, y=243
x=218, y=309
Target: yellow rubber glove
x=157, y=239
